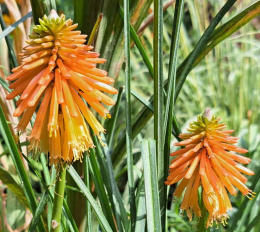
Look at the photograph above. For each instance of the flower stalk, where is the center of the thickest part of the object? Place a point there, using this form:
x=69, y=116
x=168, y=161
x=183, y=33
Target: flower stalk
x=58, y=200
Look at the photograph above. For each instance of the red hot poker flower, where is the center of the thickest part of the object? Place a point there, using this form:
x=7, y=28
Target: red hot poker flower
x=208, y=161
x=57, y=73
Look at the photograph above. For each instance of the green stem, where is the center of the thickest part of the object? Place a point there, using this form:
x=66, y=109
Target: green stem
x=115, y=114
x=40, y=8
x=58, y=200
x=87, y=182
x=201, y=226
x=130, y=163
x=159, y=103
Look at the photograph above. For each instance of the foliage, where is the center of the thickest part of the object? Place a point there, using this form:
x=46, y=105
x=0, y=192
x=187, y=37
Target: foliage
x=217, y=52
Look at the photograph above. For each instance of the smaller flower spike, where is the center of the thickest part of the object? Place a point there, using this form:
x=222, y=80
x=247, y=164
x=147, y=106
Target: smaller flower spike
x=208, y=161
x=58, y=76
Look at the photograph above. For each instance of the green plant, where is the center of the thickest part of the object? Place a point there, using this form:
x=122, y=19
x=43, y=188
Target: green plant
x=192, y=56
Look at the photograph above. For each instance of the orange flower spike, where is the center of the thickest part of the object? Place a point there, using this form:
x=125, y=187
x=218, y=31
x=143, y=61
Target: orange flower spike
x=53, y=118
x=37, y=127
x=206, y=162
x=59, y=70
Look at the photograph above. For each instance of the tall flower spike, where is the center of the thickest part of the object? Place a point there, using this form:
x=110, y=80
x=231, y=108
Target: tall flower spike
x=58, y=71
x=207, y=161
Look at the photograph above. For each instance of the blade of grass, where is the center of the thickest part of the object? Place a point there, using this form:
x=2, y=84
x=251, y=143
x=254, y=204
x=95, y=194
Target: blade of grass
x=9, y=140
x=159, y=103
x=139, y=46
x=151, y=185
x=119, y=209
x=141, y=208
x=8, y=30
x=5, y=85
x=200, y=45
x=173, y=66
x=38, y=212
x=68, y=215
x=170, y=118
x=45, y=169
x=230, y=27
x=104, y=223
x=237, y=21
x=115, y=115
x=12, y=185
x=142, y=100
x=77, y=210
x=86, y=179
x=253, y=223
x=99, y=187
x=130, y=171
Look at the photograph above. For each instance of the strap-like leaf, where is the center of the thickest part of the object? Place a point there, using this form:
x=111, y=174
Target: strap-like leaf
x=151, y=186
x=103, y=221
x=9, y=29
x=12, y=184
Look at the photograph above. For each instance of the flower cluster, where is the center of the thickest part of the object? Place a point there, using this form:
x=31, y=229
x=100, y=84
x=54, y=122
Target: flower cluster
x=207, y=160
x=58, y=76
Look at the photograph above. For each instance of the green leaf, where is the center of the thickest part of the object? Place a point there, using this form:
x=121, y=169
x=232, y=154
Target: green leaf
x=142, y=100
x=114, y=116
x=9, y=29
x=146, y=113
x=253, y=223
x=9, y=140
x=130, y=164
x=117, y=203
x=101, y=217
x=5, y=85
x=38, y=212
x=169, y=118
x=151, y=186
x=141, y=208
x=41, y=8
x=99, y=187
x=173, y=67
x=87, y=182
x=50, y=191
x=86, y=11
x=11, y=184
x=139, y=46
x=200, y=45
x=229, y=28
x=159, y=103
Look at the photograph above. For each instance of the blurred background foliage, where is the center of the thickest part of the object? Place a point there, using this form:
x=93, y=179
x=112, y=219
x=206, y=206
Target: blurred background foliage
x=227, y=80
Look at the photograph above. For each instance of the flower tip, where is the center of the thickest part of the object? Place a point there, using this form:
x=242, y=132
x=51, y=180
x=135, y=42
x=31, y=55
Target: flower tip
x=53, y=14
x=207, y=114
